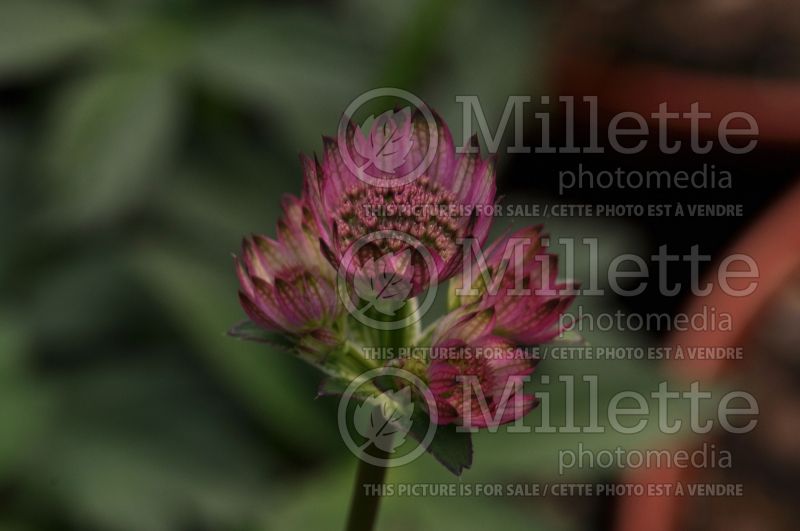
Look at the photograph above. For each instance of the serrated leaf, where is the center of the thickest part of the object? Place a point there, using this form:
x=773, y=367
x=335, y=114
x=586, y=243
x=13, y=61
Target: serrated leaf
x=451, y=448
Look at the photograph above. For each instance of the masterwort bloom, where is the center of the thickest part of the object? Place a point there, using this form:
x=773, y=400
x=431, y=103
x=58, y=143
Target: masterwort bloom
x=507, y=300
x=445, y=204
x=476, y=378
x=522, y=289
x=360, y=220
x=285, y=284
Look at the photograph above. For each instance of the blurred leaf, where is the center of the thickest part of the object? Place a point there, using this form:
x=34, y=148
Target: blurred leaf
x=12, y=206
x=145, y=434
x=203, y=305
x=81, y=301
x=215, y=213
x=283, y=63
x=38, y=33
x=418, y=49
x=23, y=405
x=112, y=132
x=508, y=60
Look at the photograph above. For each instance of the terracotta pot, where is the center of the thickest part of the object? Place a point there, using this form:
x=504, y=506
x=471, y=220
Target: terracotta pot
x=642, y=87
x=774, y=243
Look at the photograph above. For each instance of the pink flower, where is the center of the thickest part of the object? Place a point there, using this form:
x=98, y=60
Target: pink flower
x=515, y=300
x=444, y=204
x=285, y=284
x=523, y=293
x=354, y=205
x=479, y=384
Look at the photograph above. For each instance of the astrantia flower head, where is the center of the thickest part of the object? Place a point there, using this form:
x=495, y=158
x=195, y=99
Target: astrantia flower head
x=385, y=215
x=518, y=282
x=352, y=197
x=479, y=384
x=285, y=284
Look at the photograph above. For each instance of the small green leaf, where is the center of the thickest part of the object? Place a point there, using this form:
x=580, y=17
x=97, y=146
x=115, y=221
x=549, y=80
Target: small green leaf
x=336, y=387
x=451, y=448
x=249, y=331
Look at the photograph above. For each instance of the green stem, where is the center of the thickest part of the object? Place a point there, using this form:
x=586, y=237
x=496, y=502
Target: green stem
x=370, y=477
x=366, y=494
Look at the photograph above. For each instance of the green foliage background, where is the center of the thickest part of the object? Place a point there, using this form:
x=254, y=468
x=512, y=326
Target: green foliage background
x=139, y=140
